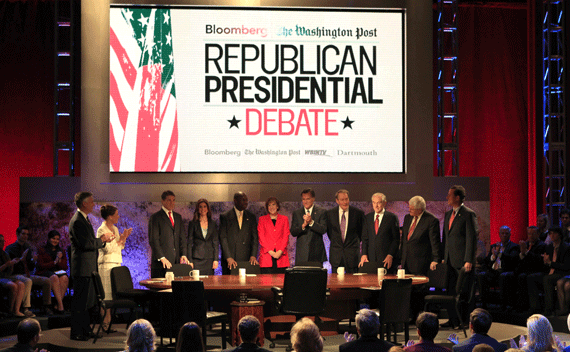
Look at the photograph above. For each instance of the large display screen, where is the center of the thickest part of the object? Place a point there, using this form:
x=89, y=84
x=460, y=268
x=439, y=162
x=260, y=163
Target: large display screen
x=225, y=89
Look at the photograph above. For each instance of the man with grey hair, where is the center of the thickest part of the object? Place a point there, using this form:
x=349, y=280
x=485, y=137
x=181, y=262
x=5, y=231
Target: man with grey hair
x=248, y=328
x=380, y=235
x=367, y=325
x=28, y=332
x=420, y=239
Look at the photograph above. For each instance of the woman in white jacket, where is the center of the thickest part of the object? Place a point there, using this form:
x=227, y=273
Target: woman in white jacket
x=110, y=256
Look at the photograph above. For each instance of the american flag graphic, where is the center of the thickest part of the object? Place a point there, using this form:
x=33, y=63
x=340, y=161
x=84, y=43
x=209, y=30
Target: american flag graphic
x=143, y=131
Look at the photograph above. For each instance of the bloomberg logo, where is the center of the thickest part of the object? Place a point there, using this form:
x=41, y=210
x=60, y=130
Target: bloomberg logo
x=213, y=29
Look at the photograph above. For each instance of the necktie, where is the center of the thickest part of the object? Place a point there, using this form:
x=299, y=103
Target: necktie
x=451, y=218
x=171, y=218
x=413, y=227
x=240, y=219
x=376, y=223
x=343, y=225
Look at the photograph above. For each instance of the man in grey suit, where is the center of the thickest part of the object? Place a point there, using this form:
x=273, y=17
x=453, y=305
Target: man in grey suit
x=166, y=237
x=308, y=226
x=238, y=234
x=381, y=235
x=344, y=228
x=84, y=252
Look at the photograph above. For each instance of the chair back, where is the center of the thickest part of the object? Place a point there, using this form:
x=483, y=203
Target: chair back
x=438, y=277
x=394, y=300
x=188, y=303
x=180, y=270
x=249, y=269
x=311, y=264
x=465, y=288
x=304, y=291
x=99, y=290
x=121, y=280
x=369, y=268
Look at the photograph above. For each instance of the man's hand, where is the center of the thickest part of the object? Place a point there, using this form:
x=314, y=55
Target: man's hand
x=546, y=259
x=165, y=263
x=184, y=260
x=522, y=341
x=495, y=250
x=453, y=338
x=468, y=266
x=522, y=245
x=232, y=263
x=253, y=261
x=13, y=262
x=215, y=265
x=306, y=220
x=349, y=337
x=433, y=266
x=387, y=261
x=363, y=259
x=23, y=257
x=410, y=343
x=107, y=237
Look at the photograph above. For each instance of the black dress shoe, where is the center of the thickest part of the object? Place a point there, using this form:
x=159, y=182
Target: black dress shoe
x=79, y=338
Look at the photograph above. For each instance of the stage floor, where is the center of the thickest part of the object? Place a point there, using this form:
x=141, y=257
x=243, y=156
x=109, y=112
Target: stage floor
x=56, y=340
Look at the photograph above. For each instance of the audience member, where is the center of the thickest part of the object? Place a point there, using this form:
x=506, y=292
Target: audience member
x=540, y=337
x=543, y=224
x=52, y=263
x=28, y=332
x=203, y=239
x=23, y=250
x=248, y=328
x=499, y=266
x=140, y=337
x=567, y=348
x=273, y=231
x=16, y=288
x=110, y=255
x=306, y=337
x=238, y=234
x=557, y=258
x=565, y=224
x=483, y=347
x=367, y=326
x=427, y=326
x=479, y=324
x=190, y=339
x=396, y=349
x=308, y=225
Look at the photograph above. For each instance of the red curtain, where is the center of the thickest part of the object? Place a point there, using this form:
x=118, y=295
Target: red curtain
x=493, y=109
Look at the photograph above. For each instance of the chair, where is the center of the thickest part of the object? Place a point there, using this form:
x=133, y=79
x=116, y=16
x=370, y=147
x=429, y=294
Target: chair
x=249, y=269
x=311, y=264
x=189, y=305
x=122, y=285
x=108, y=304
x=368, y=268
x=465, y=293
x=180, y=270
x=303, y=294
x=394, y=302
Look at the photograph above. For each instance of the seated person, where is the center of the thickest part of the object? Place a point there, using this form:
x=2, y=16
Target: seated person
x=479, y=324
x=28, y=332
x=190, y=338
x=140, y=337
x=248, y=327
x=52, y=263
x=427, y=326
x=306, y=337
x=367, y=325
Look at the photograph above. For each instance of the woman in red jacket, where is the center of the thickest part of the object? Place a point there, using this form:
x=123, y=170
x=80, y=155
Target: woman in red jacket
x=273, y=231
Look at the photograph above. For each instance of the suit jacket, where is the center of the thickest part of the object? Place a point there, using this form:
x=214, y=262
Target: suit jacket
x=426, y=346
x=378, y=246
x=532, y=262
x=84, y=246
x=366, y=344
x=200, y=247
x=19, y=347
x=562, y=263
x=15, y=250
x=247, y=347
x=475, y=339
x=273, y=237
x=423, y=246
x=310, y=246
x=350, y=248
x=165, y=240
x=461, y=240
x=239, y=244
x=509, y=258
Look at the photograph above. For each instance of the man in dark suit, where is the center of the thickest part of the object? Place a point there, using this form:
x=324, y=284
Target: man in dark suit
x=344, y=228
x=308, y=226
x=166, y=237
x=460, y=233
x=479, y=323
x=238, y=234
x=530, y=262
x=427, y=327
x=380, y=235
x=499, y=264
x=367, y=325
x=28, y=332
x=248, y=328
x=420, y=239
x=84, y=252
